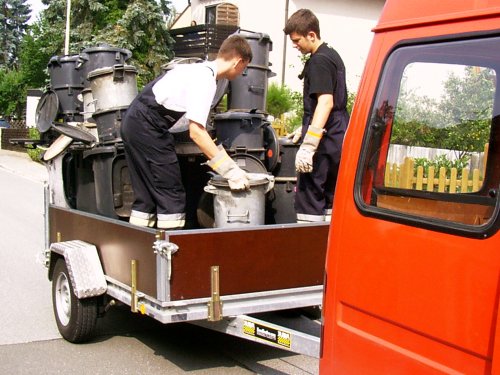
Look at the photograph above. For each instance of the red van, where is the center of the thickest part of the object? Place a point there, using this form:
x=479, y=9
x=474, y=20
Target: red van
x=413, y=261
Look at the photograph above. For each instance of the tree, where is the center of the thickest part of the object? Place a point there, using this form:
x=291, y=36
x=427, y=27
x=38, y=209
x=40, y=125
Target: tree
x=138, y=25
x=460, y=120
x=12, y=93
x=14, y=16
x=40, y=43
x=467, y=109
x=468, y=97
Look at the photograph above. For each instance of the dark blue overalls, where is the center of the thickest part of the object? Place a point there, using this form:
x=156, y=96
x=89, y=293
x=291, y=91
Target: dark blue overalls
x=324, y=73
x=152, y=162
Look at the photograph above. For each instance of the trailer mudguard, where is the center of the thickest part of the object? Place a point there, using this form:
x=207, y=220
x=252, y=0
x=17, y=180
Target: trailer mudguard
x=84, y=267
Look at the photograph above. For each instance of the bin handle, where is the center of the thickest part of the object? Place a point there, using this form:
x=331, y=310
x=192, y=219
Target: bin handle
x=246, y=215
x=210, y=189
x=257, y=89
x=118, y=72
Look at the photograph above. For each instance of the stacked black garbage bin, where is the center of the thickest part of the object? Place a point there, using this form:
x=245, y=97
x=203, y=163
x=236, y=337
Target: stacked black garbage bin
x=243, y=128
x=66, y=81
x=94, y=173
x=248, y=135
x=93, y=90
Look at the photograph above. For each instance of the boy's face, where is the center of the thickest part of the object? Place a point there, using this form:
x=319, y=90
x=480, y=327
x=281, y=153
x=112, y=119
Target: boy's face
x=303, y=43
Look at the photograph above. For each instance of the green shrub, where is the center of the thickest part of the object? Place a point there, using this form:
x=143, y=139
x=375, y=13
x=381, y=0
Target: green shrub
x=442, y=161
x=279, y=100
x=351, y=97
x=298, y=112
x=34, y=153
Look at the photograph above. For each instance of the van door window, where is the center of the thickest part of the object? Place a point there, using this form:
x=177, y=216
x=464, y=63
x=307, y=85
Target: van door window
x=430, y=148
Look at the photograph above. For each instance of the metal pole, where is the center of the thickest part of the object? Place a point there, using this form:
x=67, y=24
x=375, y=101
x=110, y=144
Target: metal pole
x=283, y=66
x=66, y=41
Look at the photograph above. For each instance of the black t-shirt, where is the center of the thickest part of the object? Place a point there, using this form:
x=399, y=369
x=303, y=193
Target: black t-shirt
x=324, y=73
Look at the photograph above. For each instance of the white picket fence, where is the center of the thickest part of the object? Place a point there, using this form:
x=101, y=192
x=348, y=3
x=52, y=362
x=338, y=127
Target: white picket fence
x=398, y=153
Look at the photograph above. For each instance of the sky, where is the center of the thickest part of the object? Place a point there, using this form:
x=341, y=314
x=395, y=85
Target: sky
x=37, y=6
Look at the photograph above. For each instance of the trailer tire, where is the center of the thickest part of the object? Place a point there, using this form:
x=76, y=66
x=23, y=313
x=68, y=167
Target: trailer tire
x=76, y=318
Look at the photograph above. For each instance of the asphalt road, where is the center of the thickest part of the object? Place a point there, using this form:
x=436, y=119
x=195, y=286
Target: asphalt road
x=125, y=343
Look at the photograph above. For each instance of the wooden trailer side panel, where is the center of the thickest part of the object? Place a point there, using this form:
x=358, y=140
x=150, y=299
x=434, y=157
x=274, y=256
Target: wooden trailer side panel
x=260, y=259
x=117, y=243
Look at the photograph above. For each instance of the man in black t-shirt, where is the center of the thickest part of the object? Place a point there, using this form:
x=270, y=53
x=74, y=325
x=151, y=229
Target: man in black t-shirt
x=325, y=119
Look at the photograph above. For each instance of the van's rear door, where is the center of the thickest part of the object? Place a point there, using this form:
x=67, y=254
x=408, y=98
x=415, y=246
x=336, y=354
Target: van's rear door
x=414, y=254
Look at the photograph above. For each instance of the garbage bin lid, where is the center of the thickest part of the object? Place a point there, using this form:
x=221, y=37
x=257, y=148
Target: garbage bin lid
x=58, y=146
x=255, y=179
x=107, y=48
x=46, y=111
x=74, y=132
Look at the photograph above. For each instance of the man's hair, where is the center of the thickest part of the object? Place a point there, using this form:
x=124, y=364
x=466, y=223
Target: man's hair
x=235, y=45
x=302, y=22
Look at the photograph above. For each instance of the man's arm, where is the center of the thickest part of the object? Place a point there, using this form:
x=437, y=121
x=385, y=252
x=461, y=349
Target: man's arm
x=200, y=136
x=322, y=111
x=305, y=154
x=218, y=159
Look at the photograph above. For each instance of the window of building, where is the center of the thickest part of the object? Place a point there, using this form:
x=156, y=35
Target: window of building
x=431, y=145
x=211, y=15
x=222, y=14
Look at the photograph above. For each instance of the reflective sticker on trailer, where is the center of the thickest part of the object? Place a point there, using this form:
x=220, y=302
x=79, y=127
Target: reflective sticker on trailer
x=275, y=336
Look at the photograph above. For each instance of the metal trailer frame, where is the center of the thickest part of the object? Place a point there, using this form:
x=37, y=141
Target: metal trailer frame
x=265, y=332
x=226, y=314
x=229, y=314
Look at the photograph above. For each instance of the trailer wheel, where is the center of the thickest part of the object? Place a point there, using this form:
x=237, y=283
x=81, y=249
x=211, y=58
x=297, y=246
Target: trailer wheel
x=76, y=318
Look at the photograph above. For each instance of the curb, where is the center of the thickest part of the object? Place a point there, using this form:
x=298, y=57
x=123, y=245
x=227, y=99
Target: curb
x=19, y=163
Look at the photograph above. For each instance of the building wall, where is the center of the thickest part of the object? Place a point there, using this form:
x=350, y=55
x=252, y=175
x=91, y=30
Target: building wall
x=184, y=18
x=31, y=105
x=345, y=25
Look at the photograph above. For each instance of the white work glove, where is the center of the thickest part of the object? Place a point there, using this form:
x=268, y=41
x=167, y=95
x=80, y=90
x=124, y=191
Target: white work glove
x=295, y=135
x=304, y=157
x=227, y=168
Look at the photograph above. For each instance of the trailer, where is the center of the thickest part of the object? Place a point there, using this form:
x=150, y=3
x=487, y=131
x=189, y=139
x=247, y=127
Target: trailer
x=210, y=274
x=215, y=278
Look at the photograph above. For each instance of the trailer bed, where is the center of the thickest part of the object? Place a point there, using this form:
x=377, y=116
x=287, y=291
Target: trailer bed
x=256, y=260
